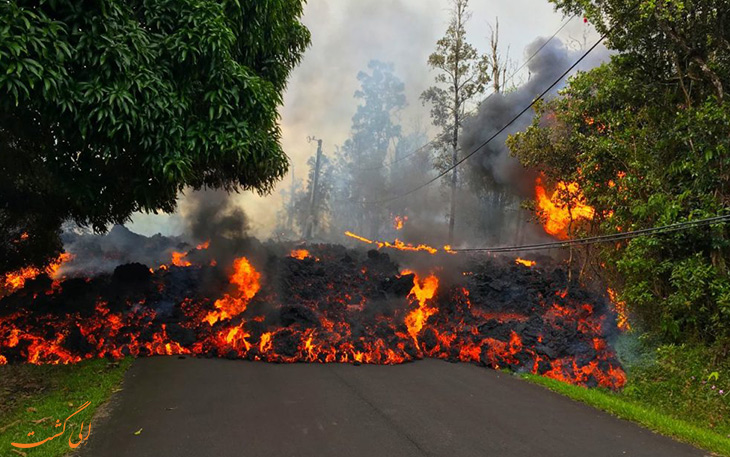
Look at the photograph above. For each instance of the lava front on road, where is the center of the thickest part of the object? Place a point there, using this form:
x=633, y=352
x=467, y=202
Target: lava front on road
x=321, y=304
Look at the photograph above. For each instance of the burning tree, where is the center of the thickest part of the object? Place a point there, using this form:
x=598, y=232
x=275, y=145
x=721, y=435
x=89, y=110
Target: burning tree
x=116, y=107
x=645, y=139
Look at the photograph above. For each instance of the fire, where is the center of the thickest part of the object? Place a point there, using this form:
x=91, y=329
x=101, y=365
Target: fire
x=527, y=263
x=622, y=315
x=300, y=254
x=399, y=222
x=15, y=280
x=557, y=216
x=397, y=244
x=203, y=246
x=247, y=281
x=421, y=291
x=179, y=260
x=325, y=312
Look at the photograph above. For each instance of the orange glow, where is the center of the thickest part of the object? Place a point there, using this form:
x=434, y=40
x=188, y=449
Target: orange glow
x=203, y=246
x=300, y=254
x=397, y=244
x=556, y=215
x=179, y=260
x=15, y=280
x=399, y=221
x=622, y=315
x=527, y=263
x=421, y=291
x=247, y=281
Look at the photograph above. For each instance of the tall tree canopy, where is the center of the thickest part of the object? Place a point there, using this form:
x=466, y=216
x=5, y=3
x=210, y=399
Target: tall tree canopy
x=114, y=107
x=462, y=74
x=373, y=134
x=646, y=136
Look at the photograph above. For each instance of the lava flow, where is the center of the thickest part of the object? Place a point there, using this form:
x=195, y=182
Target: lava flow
x=328, y=305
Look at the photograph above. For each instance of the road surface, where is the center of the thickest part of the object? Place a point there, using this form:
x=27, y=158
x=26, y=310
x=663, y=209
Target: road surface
x=223, y=408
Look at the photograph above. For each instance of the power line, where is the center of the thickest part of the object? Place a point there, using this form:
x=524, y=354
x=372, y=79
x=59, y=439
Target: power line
x=514, y=119
x=605, y=238
x=510, y=79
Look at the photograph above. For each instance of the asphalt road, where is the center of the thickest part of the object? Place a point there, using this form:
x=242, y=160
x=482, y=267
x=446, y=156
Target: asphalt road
x=222, y=408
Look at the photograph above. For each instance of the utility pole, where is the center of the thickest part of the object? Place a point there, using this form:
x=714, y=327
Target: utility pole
x=312, y=219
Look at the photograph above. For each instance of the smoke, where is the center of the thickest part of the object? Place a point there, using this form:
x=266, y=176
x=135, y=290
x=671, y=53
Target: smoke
x=494, y=159
x=505, y=183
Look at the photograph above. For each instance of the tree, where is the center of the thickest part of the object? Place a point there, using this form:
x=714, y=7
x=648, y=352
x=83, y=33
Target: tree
x=373, y=135
x=115, y=107
x=646, y=138
x=499, y=63
x=462, y=74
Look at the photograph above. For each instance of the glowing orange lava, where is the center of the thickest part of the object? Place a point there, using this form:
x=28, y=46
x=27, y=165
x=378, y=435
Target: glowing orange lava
x=422, y=291
x=15, y=280
x=179, y=260
x=300, y=254
x=557, y=216
x=527, y=263
x=247, y=281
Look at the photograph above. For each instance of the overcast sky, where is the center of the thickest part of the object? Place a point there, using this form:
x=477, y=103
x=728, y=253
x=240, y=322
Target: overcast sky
x=346, y=35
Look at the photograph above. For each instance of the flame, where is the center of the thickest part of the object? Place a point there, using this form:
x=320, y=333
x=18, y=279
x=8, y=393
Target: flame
x=527, y=263
x=449, y=322
x=397, y=244
x=179, y=260
x=421, y=291
x=247, y=281
x=15, y=280
x=622, y=315
x=556, y=215
x=399, y=221
x=203, y=246
x=300, y=254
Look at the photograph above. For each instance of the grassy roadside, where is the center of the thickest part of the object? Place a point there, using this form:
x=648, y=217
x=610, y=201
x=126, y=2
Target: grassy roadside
x=681, y=392
x=33, y=397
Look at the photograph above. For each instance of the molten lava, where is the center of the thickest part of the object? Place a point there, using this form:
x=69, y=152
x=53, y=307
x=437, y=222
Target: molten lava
x=300, y=254
x=527, y=263
x=349, y=307
x=15, y=280
x=247, y=281
x=179, y=260
x=559, y=217
x=422, y=291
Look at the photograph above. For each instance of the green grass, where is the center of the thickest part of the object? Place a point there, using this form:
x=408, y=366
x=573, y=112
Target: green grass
x=675, y=392
x=43, y=394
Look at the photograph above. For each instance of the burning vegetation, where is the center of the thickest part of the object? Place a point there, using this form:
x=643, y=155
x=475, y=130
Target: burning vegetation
x=340, y=306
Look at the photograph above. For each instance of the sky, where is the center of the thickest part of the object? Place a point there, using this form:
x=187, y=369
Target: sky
x=346, y=35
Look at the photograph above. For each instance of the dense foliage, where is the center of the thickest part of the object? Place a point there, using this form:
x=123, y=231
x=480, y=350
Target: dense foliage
x=646, y=136
x=114, y=107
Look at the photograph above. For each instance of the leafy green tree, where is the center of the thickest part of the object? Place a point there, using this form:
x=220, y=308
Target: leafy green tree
x=646, y=138
x=462, y=74
x=115, y=107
